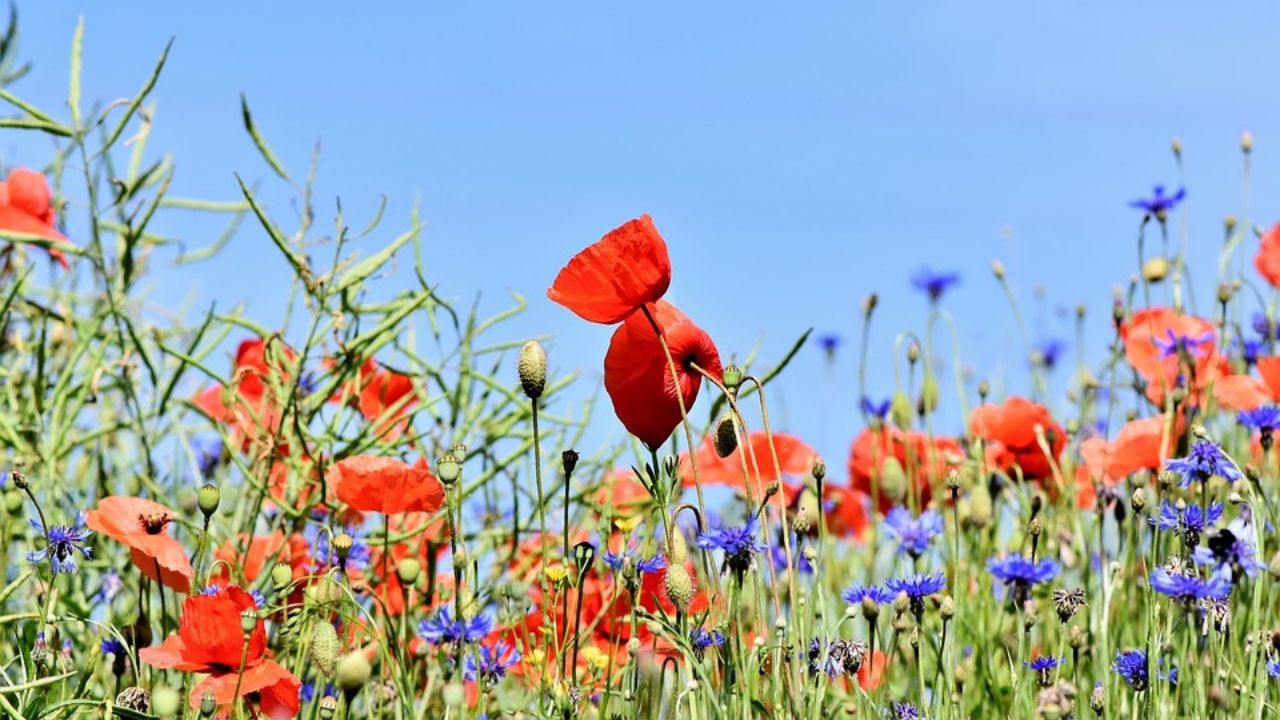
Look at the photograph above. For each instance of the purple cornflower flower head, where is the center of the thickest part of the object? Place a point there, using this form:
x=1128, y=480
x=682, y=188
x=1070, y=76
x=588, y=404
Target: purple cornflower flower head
x=917, y=588
x=1043, y=667
x=443, y=629
x=1225, y=550
x=701, y=639
x=874, y=409
x=110, y=587
x=1189, y=588
x=615, y=561
x=738, y=544
x=1171, y=676
x=1203, y=462
x=112, y=646
x=1273, y=669
x=1019, y=574
x=208, y=452
x=829, y=343
x=493, y=663
x=1132, y=666
x=934, y=284
x=1265, y=329
x=212, y=589
x=308, y=383
x=778, y=554
x=1251, y=350
x=904, y=711
x=1189, y=522
x=857, y=594
x=1048, y=352
x=1159, y=204
x=1177, y=344
x=62, y=544
x=1265, y=418
x=912, y=533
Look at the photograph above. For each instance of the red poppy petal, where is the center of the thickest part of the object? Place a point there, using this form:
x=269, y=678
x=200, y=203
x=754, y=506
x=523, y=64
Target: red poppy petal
x=610, y=279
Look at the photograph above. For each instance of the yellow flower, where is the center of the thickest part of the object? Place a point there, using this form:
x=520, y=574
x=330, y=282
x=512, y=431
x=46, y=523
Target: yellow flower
x=628, y=524
x=555, y=573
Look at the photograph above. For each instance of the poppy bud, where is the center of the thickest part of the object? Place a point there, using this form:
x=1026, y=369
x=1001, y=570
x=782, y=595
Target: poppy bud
x=208, y=499
x=407, y=570
x=569, y=462
x=984, y=389
x=893, y=480
x=679, y=586
x=324, y=647
x=997, y=269
x=679, y=548
x=208, y=703
x=913, y=352
x=281, y=575
x=900, y=410
x=352, y=672
x=328, y=707
x=454, y=695
x=869, y=304
x=532, y=367
x=1176, y=146
x=1246, y=142
x=928, y=394
x=1155, y=269
x=726, y=439
x=731, y=376
x=248, y=621
x=165, y=702
x=448, y=468
x=12, y=502
x=979, y=506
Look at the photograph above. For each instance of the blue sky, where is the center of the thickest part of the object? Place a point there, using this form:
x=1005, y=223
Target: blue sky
x=796, y=158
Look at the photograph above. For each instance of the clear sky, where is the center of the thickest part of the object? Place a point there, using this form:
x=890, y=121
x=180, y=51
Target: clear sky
x=797, y=156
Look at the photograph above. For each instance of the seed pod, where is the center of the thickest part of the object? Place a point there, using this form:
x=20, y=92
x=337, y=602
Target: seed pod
x=324, y=647
x=165, y=702
x=726, y=436
x=208, y=499
x=532, y=368
x=353, y=671
x=680, y=586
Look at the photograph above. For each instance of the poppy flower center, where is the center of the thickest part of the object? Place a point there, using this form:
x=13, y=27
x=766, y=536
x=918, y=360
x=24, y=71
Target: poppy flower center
x=154, y=523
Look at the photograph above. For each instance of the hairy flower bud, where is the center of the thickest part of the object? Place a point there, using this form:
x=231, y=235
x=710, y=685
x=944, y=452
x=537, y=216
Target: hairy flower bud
x=324, y=647
x=532, y=367
x=680, y=586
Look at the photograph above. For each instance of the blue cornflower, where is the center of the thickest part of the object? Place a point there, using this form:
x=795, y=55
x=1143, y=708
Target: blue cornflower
x=904, y=711
x=1159, y=204
x=1251, y=350
x=208, y=452
x=62, y=544
x=493, y=663
x=829, y=343
x=309, y=383
x=1265, y=329
x=778, y=554
x=701, y=639
x=1044, y=667
x=874, y=409
x=616, y=561
x=1203, y=462
x=1171, y=676
x=1273, y=669
x=110, y=587
x=934, y=284
x=1265, y=418
x=1019, y=574
x=917, y=588
x=1189, y=588
x=857, y=594
x=1225, y=550
x=1174, y=345
x=443, y=629
x=112, y=646
x=213, y=588
x=913, y=533
x=1188, y=522
x=1132, y=666
x=1048, y=352
x=737, y=543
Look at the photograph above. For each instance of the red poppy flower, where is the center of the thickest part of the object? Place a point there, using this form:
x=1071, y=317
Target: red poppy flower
x=795, y=458
x=1136, y=447
x=1244, y=392
x=611, y=279
x=1156, y=341
x=26, y=206
x=378, y=391
x=926, y=460
x=386, y=485
x=1267, y=261
x=143, y=526
x=427, y=537
x=250, y=555
x=1013, y=425
x=246, y=405
x=638, y=379
x=210, y=641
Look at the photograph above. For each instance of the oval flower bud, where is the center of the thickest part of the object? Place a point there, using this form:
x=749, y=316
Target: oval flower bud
x=532, y=367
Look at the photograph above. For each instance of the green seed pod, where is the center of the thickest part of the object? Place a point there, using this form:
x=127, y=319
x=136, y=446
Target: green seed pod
x=281, y=575
x=731, y=376
x=726, y=436
x=324, y=647
x=454, y=695
x=680, y=586
x=407, y=570
x=448, y=468
x=248, y=621
x=208, y=704
x=328, y=707
x=532, y=367
x=208, y=499
x=353, y=671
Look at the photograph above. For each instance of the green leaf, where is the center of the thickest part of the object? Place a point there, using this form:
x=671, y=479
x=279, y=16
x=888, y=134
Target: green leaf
x=35, y=124
x=137, y=99
x=298, y=263
x=259, y=141
x=362, y=270
x=77, y=52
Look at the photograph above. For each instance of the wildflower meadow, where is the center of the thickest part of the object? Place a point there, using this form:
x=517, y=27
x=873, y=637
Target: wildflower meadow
x=363, y=505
